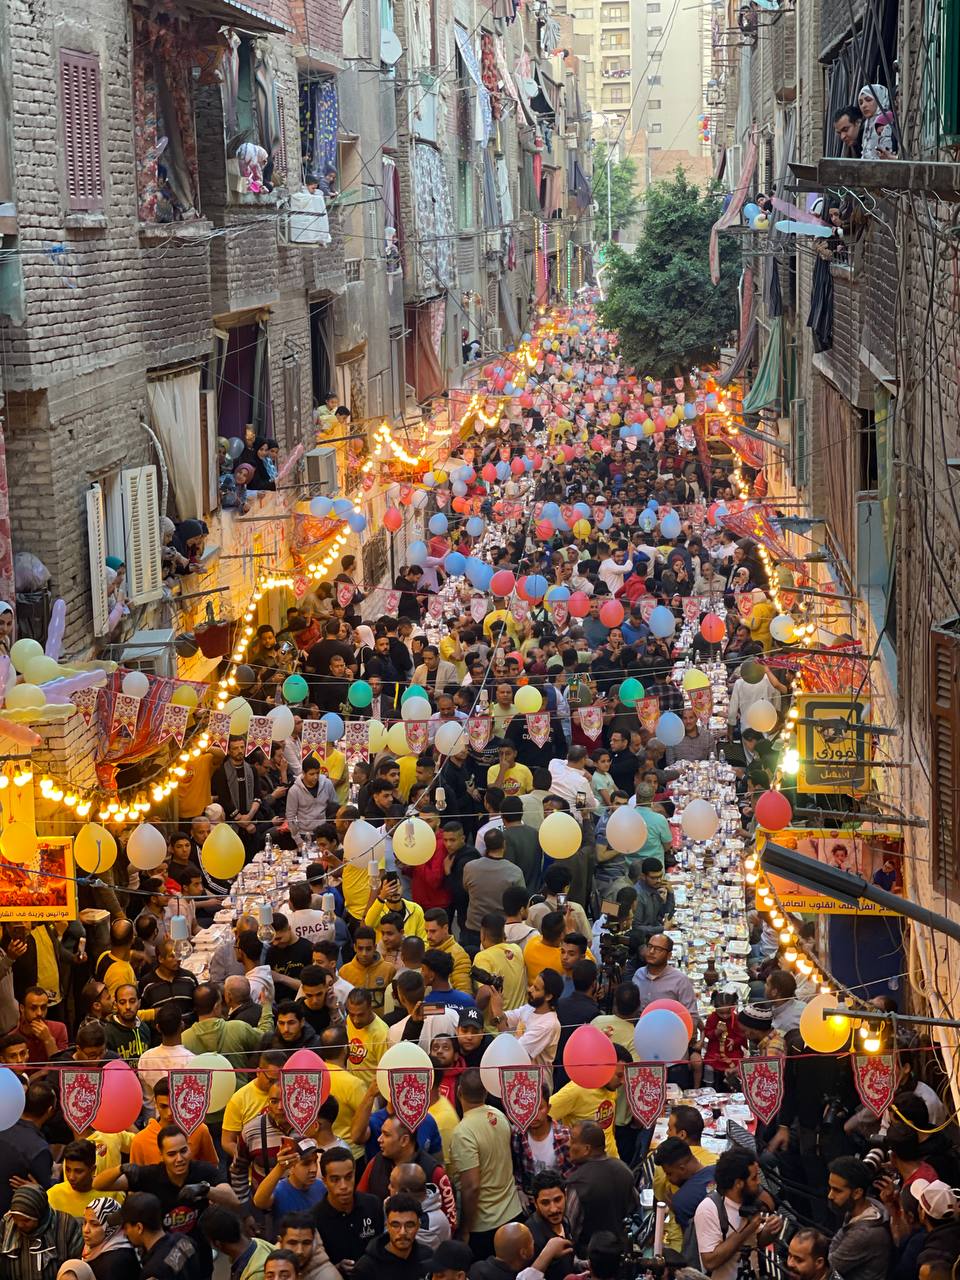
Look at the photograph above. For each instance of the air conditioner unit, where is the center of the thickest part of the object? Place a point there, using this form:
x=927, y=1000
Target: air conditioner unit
x=494, y=340
x=151, y=652
x=321, y=467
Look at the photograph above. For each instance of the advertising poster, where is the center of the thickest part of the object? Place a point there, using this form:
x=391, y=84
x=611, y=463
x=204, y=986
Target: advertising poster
x=877, y=856
x=42, y=890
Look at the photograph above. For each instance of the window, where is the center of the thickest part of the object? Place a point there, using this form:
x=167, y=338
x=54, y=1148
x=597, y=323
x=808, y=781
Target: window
x=123, y=519
x=945, y=53
x=654, y=80
x=656, y=55
x=653, y=8
x=945, y=757
x=614, y=93
x=83, y=161
x=280, y=158
x=351, y=198
x=614, y=14
x=654, y=33
x=585, y=14
x=653, y=104
x=656, y=127
x=654, y=148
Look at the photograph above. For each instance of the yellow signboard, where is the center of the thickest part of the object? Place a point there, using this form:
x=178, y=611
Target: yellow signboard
x=834, y=742
x=877, y=856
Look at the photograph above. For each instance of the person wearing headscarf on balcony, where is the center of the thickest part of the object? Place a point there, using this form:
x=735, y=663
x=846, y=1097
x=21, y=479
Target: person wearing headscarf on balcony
x=7, y=619
x=188, y=539
x=876, y=136
x=261, y=477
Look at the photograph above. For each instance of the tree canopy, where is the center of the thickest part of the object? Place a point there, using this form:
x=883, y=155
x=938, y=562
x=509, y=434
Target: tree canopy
x=624, y=201
x=660, y=298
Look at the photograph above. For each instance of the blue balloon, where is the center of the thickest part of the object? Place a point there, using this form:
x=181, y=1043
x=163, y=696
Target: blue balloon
x=357, y=521
x=662, y=623
x=11, y=1098
x=582, y=510
x=509, y=389
x=342, y=507
x=536, y=586
x=417, y=553
x=750, y=211
x=459, y=488
x=484, y=577
x=475, y=526
x=438, y=524
x=605, y=521
x=661, y=1036
x=560, y=525
x=335, y=727
x=525, y=337
x=455, y=563
x=503, y=471
x=624, y=432
x=550, y=511
x=320, y=507
x=557, y=594
x=527, y=463
x=647, y=521
x=689, y=411
x=711, y=400
x=670, y=525
x=669, y=729
x=429, y=479
x=636, y=431
x=653, y=505
x=721, y=511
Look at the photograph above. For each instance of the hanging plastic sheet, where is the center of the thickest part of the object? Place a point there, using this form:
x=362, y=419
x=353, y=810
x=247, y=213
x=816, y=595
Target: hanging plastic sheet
x=766, y=385
x=435, y=229
x=468, y=54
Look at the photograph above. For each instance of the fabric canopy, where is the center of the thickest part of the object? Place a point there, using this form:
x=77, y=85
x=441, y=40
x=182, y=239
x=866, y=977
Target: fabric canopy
x=766, y=385
x=732, y=211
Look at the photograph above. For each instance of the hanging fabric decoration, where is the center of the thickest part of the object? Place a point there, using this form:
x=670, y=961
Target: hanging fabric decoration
x=313, y=738
x=645, y=1084
x=80, y=1097
x=479, y=729
x=126, y=710
x=410, y=1094
x=218, y=729
x=762, y=1080
x=520, y=1090
x=356, y=740
x=259, y=735
x=538, y=727
x=591, y=721
x=189, y=1098
x=174, y=723
x=85, y=700
x=875, y=1076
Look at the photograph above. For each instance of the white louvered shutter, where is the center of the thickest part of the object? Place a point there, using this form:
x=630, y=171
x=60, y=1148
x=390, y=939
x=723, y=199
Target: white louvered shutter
x=141, y=519
x=97, y=540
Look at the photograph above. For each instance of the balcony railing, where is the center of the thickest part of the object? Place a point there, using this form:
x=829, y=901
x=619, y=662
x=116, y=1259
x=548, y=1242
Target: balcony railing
x=619, y=73
x=351, y=270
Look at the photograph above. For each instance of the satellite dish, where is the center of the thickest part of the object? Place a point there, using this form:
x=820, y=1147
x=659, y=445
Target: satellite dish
x=391, y=50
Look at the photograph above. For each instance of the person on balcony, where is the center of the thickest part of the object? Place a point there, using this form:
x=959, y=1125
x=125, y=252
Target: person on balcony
x=876, y=136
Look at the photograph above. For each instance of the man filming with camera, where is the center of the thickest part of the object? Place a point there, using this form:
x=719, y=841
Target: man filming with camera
x=730, y=1223
x=860, y=1249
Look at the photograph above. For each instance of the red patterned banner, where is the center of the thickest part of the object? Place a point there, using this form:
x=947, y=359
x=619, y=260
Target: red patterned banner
x=646, y=1088
x=836, y=672
x=259, y=735
x=174, y=723
x=410, y=1094
x=762, y=1080
x=647, y=606
x=538, y=727
x=80, y=1098
x=520, y=1091
x=561, y=612
x=648, y=710
x=478, y=608
x=345, y=593
x=392, y=602
x=313, y=738
x=418, y=735
x=519, y=610
x=435, y=607
x=189, y=1098
x=691, y=608
x=875, y=1076
x=356, y=740
x=745, y=604
x=701, y=700
x=126, y=711
x=479, y=729
x=85, y=700
x=218, y=729
x=630, y=515
x=302, y=1094
x=591, y=721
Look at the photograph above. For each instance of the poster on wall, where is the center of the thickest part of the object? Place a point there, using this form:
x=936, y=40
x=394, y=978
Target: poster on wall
x=877, y=856
x=834, y=741
x=42, y=890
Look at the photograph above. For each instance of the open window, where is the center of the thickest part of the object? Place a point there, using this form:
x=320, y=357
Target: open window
x=251, y=112
x=165, y=49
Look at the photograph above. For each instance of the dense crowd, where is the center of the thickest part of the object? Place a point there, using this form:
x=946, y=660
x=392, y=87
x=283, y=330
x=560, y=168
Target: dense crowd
x=489, y=935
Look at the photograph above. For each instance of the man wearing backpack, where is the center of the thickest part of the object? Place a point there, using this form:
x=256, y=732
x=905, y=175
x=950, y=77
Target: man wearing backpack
x=727, y=1221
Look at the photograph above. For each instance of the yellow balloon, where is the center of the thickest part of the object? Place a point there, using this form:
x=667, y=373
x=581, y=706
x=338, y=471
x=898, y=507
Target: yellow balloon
x=24, y=697
x=581, y=529
x=185, y=696
x=240, y=712
x=824, y=1035
x=614, y=419
x=397, y=739
x=222, y=853
x=649, y=428
x=23, y=650
x=695, y=679
x=528, y=700
x=18, y=842
x=40, y=668
x=560, y=835
x=441, y=477
x=378, y=736
x=414, y=842
x=94, y=849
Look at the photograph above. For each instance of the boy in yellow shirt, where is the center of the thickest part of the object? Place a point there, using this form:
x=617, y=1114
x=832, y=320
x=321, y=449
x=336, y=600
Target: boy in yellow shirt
x=366, y=1033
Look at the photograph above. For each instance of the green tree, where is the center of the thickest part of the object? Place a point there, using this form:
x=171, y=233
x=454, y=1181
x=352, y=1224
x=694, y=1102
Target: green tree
x=660, y=299
x=624, y=202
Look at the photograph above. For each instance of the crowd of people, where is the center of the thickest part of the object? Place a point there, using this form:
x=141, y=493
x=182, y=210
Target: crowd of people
x=489, y=935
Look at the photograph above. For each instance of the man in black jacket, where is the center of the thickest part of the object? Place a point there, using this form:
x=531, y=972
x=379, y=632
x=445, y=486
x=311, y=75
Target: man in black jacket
x=604, y=1186
x=396, y=1255
x=549, y=1221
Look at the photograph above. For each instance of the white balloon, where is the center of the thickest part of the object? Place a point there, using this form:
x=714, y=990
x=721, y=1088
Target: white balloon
x=362, y=843
x=420, y=499
x=762, y=716
x=781, y=628
x=700, y=820
x=451, y=737
x=505, y=1050
x=282, y=726
x=626, y=830
x=406, y=1054
x=416, y=709
x=135, y=684
x=147, y=847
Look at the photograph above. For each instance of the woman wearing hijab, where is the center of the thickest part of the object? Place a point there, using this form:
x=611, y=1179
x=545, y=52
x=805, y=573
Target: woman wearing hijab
x=35, y=1237
x=876, y=136
x=261, y=476
x=188, y=539
x=106, y=1249
x=6, y=626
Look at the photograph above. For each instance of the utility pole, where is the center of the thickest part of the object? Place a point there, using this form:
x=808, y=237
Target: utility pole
x=606, y=129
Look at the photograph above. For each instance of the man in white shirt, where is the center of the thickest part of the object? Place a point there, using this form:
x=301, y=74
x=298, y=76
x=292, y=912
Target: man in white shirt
x=614, y=569
x=535, y=1024
x=745, y=695
x=722, y=1230
x=169, y=1055
x=305, y=920
x=569, y=779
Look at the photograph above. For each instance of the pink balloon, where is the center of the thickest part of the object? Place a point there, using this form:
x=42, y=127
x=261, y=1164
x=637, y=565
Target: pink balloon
x=682, y=1012
x=590, y=1057
x=22, y=734
x=121, y=1098
x=307, y=1060
x=611, y=613
x=579, y=604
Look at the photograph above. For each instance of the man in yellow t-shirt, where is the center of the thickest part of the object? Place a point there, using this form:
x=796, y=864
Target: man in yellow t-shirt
x=366, y=1033
x=193, y=789
x=249, y=1101
x=504, y=960
x=515, y=779
x=573, y=1102
x=368, y=971
x=75, y=1192
x=333, y=765
x=492, y=620
x=344, y=1086
x=439, y=938
x=543, y=951
x=684, y=1122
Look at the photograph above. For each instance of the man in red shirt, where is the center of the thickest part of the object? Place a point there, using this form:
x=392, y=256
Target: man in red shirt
x=45, y=1038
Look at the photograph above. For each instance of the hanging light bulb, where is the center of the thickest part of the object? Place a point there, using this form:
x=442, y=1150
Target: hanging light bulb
x=872, y=1044
x=265, y=930
x=180, y=933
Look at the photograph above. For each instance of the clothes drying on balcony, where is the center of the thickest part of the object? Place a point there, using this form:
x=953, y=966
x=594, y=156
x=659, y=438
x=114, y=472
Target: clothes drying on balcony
x=435, y=229
x=820, y=318
x=766, y=385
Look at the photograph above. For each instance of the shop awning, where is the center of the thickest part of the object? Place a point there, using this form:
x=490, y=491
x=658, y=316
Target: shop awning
x=231, y=13
x=766, y=385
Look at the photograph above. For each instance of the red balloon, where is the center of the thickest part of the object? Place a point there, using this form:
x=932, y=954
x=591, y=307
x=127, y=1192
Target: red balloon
x=307, y=1060
x=526, y=400
x=590, y=1057
x=121, y=1098
x=522, y=588
x=461, y=504
x=675, y=1007
x=503, y=582
x=544, y=530
x=579, y=604
x=392, y=519
x=569, y=452
x=516, y=466
x=712, y=628
x=611, y=613
x=773, y=811
x=489, y=472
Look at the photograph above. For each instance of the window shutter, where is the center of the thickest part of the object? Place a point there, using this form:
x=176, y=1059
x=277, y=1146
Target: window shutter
x=141, y=519
x=208, y=448
x=280, y=161
x=945, y=758
x=97, y=541
x=83, y=162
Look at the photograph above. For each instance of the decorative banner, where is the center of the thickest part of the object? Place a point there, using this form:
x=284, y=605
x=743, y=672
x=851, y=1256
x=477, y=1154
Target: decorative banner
x=520, y=1091
x=392, y=602
x=519, y=610
x=301, y=1096
x=762, y=1080
x=591, y=721
x=599, y=511
x=441, y=497
x=85, y=700
x=745, y=604
x=538, y=727
x=875, y=1076
x=410, y=1094
x=174, y=723
x=189, y=1098
x=300, y=586
x=478, y=608
x=648, y=709
x=356, y=740
x=435, y=607
x=479, y=729
x=418, y=735
x=406, y=494
x=645, y=1084
x=835, y=753
x=876, y=855
x=218, y=729
x=561, y=613
x=630, y=515
x=313, y=738
x=698, y=515
x=701, y=700
x=647, y=606
x=43, y=889
x=691, y=608
x=843, y=669
x=80, y=1097
x=569, y=515
x=259, y=735
x=126, y=711
x=345, y=593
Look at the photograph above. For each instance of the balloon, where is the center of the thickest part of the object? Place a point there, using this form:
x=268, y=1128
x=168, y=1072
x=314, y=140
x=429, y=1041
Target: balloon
x=335, y=726
x=438, y=524
x=503, y=582
x=455, y=563
x=611, y=613
x=282, y=725
x=393, y=519
x=661, y=622
x=362, y=843
x=12, y=1098
x=321, y=507
x=752, y=671
x=240, y=712
x=416, y=709
x=762, y=716
x=39, y=669
x=135, y=684
x=670, y=729
x=712, y=628
x=560, y=835
x=528, y=700
x=378, y=735
x=631, y=691
x=699, y=820
x=661, y=1037
x=581, y=529
x=25, y=697
x=823, y=1035
x=397, y=739
x=626, y=830
x=579, y=604
x=94, y=849
x=782, y=627
x=18, y=842
x=245, y=677
x=121, y=1097
x=223, y=1080
x=21, y=651
x=694, y=678
x=475, y=526
x=504, y=1050
x=295, y=688
x=55, y=628
x=670, y=525
x=147, y=847
x=417, y=553
x=682, y=1012
x=307, y=1060
x=589, y=1057
x=773, y=811
x=536, y=586
x=407, y=1055
x=412, y=691
x=414, y=842
x=342, y=507
x=452, y=737
x=222, y=854
x=360, y=694
x=185, y=696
